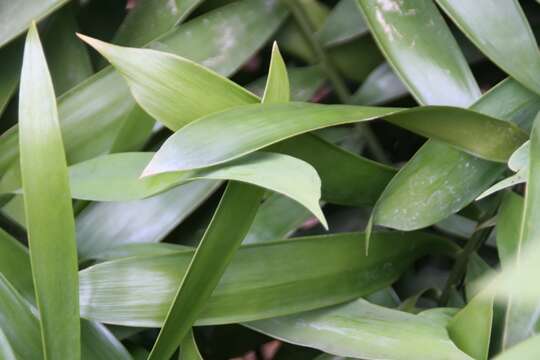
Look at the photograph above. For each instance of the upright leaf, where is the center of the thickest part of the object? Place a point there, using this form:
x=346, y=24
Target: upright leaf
x=417, y=43
x=521, y=315
x=233, y=218
x=528, y=349
x=500, y=30
x=51, y=228
x=470, y=328
x=188, y=348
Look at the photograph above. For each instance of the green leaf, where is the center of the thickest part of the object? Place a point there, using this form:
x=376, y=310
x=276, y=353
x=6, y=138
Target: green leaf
x=150, y=73
x=521, y=315
x=508, y=228
x=417, y=43
x=150, y=19
x=89, y=127
x=304, y=82
x=528, y=349
x=20, y=325
x=364, y=330
x=6, y=351
x=277, y=218
x=68, y=59
x=9, y=75
x=347, y=178
x=480, y=21
x=233, y=217
x=115, y=177
x=97, y=341
x=438, y=180
x=239, y=131
x=381, y=86
x=103, y=227
x=188, y=348
x=344, y=23
x=314, y=272
x=16, y=16
x=229, y=226
x=470, y=328
x=49, y=215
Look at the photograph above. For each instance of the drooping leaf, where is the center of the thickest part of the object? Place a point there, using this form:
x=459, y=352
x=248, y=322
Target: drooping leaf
x=49, y=215
x=314, y=272
x=481, y=22
x=438, y=180
x=6, y=351
x=16, y=16
x=115, y=177
x=367, y=331
x=239, y=131
x=347, y=178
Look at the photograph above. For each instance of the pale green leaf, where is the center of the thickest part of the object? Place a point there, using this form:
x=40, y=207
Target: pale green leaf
x=49, y=214
x=367, y=331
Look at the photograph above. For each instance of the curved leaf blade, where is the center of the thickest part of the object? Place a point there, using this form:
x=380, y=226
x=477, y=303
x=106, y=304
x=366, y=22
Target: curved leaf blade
x=501, y=31
x=232, y=133
x=115, y=177
x=158, y=79
x=47, y=201
x=364, y=330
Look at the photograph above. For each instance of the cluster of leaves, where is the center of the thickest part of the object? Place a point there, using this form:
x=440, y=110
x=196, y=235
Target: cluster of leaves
x=155, y=192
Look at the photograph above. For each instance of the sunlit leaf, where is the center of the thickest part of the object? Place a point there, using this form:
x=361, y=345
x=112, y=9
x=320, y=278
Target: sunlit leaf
x=47, y=200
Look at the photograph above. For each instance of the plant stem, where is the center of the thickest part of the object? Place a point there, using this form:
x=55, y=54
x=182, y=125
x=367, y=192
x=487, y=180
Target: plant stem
x=460, y=266
x=307, y=31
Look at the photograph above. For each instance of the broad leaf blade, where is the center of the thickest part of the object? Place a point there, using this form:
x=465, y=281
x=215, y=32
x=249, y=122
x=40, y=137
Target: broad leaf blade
x=438, y=180
x=51, y=228
x=470, y=328
x=16, y=16
x=521, y=315
x=116, y=177
x=419, y=46
x=150, y=73
x=364, y=330
x=325, y=270
x=239, y=131
x=501, y=31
